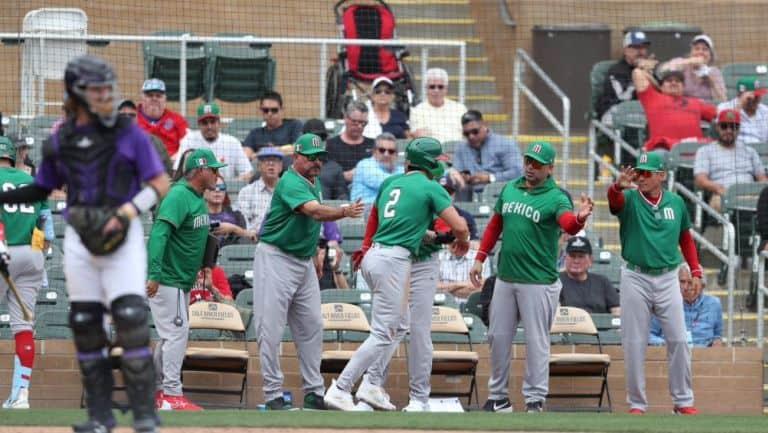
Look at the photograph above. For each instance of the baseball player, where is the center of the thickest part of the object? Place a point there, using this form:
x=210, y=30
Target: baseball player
x=25, y=245
x=649, y=218
x=405, y=206
x=103, y=161
x=176, y=247
x=529, y=215
x=288, y=288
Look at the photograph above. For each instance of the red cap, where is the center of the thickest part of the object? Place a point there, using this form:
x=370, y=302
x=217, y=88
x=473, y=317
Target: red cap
x=729, y=116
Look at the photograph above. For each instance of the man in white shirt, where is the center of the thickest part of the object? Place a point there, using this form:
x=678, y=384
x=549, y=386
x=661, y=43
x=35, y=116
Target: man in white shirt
x=754, y=115
x=253, y=200
x=438, y=116
x=226, y=147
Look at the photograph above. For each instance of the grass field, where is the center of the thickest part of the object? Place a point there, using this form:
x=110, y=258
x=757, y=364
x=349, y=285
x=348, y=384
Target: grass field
x=472, y=421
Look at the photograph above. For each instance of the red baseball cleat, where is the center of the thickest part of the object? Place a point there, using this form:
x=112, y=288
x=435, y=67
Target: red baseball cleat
x=636, y=411
x=178, y=403
x=688, y=410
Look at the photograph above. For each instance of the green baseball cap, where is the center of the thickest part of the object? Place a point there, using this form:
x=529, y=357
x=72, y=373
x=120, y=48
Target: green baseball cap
x=751, y=84
x=309, y=144
x=208, y=110
x=202, y=158
x=7, y=149
x=650, y=161
x=541, y=151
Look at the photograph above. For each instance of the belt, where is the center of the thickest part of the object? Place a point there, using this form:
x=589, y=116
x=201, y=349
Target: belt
x=650, y=271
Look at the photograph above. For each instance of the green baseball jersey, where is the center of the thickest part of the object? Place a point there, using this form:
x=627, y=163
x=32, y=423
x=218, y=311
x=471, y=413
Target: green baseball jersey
x=407, y=204
x=178, y=237
x=19, y=219
x=530, y=231
x=650, y=234
x=284, y=226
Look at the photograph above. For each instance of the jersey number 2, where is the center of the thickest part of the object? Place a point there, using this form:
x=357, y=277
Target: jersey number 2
x=389, y=208
x=13, y=208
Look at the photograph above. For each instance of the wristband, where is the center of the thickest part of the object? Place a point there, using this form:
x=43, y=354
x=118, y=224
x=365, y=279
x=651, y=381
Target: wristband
x=145, y=199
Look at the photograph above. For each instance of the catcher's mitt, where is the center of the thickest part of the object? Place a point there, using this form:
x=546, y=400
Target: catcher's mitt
x=89, y=223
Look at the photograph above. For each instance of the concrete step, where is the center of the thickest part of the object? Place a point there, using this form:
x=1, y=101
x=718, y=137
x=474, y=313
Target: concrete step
x=433, y=10
x=450, y=64
x=436, y=28
x=475, y=84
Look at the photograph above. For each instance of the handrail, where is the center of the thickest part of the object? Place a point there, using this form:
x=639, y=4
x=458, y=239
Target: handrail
x=762, y=292
x=729, y=232
x=564, y=128
x=506, y=15
x=186, y=39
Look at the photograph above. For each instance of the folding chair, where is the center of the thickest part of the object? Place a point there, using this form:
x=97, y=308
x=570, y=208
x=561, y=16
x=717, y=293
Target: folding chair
x=348, y=322
x=448, y=326
x=570, y=321
x=224, y=317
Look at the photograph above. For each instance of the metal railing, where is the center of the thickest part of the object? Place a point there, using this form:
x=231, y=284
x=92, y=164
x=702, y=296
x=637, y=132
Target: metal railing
x=762, y=292
x=728, y=257
x=183, y=40
x=522, y=59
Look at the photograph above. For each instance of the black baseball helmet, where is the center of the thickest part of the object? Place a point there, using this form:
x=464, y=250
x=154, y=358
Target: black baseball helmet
x=85, y=71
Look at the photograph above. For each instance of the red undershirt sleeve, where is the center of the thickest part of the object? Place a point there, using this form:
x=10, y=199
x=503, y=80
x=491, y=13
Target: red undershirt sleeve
x=569, y=222
x=370, y=228
x=688, y=247
x=615, y=199
x=490, y=236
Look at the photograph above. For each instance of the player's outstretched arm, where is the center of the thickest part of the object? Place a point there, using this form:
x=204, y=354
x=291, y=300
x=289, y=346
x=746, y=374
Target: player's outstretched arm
x=320, y=212
x=573, y=223
x=370, y=230
x=26, y=194
x=490, y=236
x=615, y=194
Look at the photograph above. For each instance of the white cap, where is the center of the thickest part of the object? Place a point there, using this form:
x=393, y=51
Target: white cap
x=380, y=80
x=707, y=40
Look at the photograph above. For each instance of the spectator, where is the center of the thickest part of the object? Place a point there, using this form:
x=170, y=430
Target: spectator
x=371, y=172
x=351, y=146
x=454, y=273
x=331, y=174
x=329, y=257
x=156, y=119
x=720, y=165
x=229, y=224
x=276, y=131
x=618, y=86
x=438, y=116
x=581, y=288
x=218, y=290
x=754, y=115
x=703, y=315
x=128, y=110
x=384, y=118
x=226, y=147
x=484, y=157
x=254, y=199
x=672, y=117
x=179, y=173
x=23, y=162
x=702, y=80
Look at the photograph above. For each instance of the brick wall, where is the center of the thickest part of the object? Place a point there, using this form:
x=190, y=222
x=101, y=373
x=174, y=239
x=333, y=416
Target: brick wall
x=726, y=380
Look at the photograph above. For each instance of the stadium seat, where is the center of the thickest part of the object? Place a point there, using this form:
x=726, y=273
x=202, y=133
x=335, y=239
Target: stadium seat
x=473, y=305
x=345, y=320
x=445, y=299
x=222, y=317
x=762, y=150
x=238, y=260
x=740, y=207
x=630, y=122
x=478, y=209
x=596, y=80
x=352, y=232
x=732, y=72
x=240, y=127
x=491, y=193
x=345, y=296
x=575, y=321
x=52, y=299
x=53, y=325
x=5, y=323
x=450, y=323
x=608, y=264
x=161, y=60
x=238, y=72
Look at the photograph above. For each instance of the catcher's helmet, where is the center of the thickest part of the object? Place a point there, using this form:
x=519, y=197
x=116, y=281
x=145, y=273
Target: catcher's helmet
x=85, y=71
x=423, y=152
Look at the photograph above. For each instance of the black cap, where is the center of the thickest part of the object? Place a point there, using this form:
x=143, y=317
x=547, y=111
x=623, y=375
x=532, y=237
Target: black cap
x=671, y=73
x=317, y=127
x=578, y=244
x=471, y=116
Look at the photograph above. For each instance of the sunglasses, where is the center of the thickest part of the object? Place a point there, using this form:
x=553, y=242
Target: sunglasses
x=267, y=110
x=384, y=91
x=382, y=151
x=128, y=115
x=533, y=163
x=208, y=121
x=469, y=132
x=644, y=173
x=316, y=157
x=733, y=126
x=220, y=187
x=436, y=86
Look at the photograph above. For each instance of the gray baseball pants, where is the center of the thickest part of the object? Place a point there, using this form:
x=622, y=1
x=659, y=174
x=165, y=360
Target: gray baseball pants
x=424, y=278
x=641, y=296
x=387, y=271
x=26, y=271
x=286, y=289
x=535, y=306
x=166, y=305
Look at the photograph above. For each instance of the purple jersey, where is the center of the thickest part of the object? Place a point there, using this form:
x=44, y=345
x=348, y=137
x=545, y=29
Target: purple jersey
x=330, y=231
x=95, y=174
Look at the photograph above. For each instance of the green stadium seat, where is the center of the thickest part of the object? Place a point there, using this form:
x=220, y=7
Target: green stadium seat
x=732, y=72
x=238, y=260
x=762, y=150
x=53, y=299
x=478, y=332
x=608, y=264
x=445, y=299
x=682, y=155
x=473, y=305
x=478, y=209
x=346, y=296
x=630, y=121
x=740, y=206
x=53, y=325
x=352, y=232
x=162, y=60
x=238, y=72
x=596, y=80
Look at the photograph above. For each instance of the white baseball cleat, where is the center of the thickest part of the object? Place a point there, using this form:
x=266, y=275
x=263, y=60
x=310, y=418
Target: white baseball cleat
x=20, y=402
x=362, y=406
x=416, y=406
x=374, y=396
x=337, y=398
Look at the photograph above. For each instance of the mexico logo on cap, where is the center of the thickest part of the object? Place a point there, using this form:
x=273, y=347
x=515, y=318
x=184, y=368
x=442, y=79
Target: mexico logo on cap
x=297, y=148
x=316, y=141
x=643, y=158
x=537, y=148
x=207, y=109
x=202, y=162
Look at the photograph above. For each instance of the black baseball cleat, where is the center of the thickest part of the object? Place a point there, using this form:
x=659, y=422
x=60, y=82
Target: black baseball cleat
x=277, y=404
x=314, y=401
x=534, y=407
x=500, y=406
x=91, y=426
